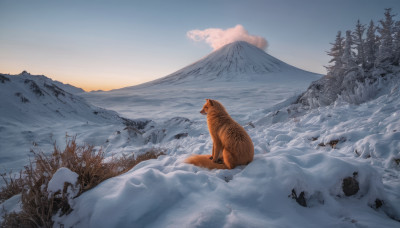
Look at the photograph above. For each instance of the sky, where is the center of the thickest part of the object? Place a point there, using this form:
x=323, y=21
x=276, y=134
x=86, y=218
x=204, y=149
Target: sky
x=105, y=44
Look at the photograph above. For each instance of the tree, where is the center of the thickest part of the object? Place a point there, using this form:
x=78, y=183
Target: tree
x=371, y=46
x=336, y=52
x=396, y=43
x=348, y=59
x=359, y=43
x=386, y=55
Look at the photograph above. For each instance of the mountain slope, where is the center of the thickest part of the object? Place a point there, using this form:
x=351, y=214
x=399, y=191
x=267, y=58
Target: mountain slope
x=37, y=111
x=28, y=99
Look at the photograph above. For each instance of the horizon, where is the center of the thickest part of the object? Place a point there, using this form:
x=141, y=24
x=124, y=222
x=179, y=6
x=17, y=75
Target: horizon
x=110, y=45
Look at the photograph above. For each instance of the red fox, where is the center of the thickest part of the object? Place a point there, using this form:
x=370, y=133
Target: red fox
x=232, y=146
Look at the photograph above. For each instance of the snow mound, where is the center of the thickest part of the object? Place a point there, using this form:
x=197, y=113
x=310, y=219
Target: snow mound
x=60, y=177
x=165, y=193
x=12, y=205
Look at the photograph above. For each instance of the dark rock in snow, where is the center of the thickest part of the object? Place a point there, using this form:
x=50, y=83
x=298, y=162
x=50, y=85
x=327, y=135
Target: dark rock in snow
x=378, y=203
x=180, y=135
x=4, y=79
x=55, y=90
x=350, y=185
x=23, y=99
x=299, y=199
x=34, y=87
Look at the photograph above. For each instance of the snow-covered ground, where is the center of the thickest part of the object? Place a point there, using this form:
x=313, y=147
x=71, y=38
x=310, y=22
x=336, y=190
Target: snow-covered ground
x=308, y=151
x=289, y=154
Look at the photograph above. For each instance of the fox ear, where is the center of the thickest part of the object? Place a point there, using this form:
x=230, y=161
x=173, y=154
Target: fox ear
x=210, y=101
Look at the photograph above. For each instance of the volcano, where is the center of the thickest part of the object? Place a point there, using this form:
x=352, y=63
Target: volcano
x=237, y=61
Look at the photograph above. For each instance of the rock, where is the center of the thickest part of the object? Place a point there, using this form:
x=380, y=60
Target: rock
x=180, y=135
x=350, y=185
x=299, y=199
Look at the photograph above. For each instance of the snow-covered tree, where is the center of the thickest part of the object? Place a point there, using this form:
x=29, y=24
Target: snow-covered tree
x=386, y=30
x=362, y=64
x=371, y=46
x=348, y=59
x=359, y=43
x=336, y=52
x=396, y=43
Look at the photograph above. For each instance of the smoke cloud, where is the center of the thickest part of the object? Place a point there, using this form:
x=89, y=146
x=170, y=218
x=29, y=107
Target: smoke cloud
x=217, y=37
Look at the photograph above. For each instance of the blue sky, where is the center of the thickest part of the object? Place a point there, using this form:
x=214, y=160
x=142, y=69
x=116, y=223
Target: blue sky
x=113, y=44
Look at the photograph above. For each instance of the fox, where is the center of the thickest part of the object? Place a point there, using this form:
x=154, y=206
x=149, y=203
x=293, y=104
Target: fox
x=232, y=146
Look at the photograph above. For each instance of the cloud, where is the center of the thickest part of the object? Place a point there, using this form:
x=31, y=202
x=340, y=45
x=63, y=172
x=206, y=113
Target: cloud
x=217, y=37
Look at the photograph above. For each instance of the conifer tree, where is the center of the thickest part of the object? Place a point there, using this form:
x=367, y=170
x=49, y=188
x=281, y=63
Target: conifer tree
x=359, y=43
x=371, y=46
x=336, y=52
x=396, y=43
x=386, y=55
x=348, y=60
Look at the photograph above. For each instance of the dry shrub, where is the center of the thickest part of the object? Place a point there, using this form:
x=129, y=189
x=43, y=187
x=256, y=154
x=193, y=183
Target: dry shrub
x=125, y=163
x=38, y=205
x=12, y=186
x=14, y=220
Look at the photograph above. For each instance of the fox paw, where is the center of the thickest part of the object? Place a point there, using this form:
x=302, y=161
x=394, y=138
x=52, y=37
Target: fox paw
x=219, y=161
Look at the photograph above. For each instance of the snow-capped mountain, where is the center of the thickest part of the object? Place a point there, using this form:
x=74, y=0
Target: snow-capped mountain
x=238, y=66
x=237, y=61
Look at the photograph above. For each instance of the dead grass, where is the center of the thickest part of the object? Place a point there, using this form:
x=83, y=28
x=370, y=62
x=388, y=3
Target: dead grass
x=14, y=220
x=12, y=185
x=39, y=206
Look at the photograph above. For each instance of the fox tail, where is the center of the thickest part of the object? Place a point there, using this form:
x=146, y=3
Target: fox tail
x=204, y=161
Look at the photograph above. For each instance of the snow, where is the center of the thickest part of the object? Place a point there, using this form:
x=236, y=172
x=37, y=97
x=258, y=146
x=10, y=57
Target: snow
x=292, y=152
x=168, y=193
x=60, y=177
x=13, y=204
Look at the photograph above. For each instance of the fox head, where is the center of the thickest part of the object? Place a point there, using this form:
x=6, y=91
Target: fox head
x=208, y=105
